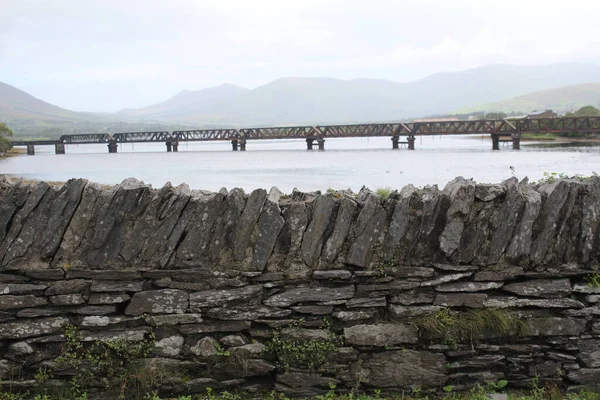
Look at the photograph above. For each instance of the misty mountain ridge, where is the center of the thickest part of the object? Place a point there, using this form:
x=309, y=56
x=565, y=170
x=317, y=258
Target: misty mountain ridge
x=298, y=100
x=311, y=101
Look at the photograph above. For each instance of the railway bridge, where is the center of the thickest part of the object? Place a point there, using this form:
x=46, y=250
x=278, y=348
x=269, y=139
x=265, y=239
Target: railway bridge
x=499, y=131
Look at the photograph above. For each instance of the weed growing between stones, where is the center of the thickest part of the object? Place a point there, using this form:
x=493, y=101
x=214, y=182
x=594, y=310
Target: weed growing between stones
x=117, y=364
x=383, y=192
x=593, y=280
x=460, y=327
x=311, y=353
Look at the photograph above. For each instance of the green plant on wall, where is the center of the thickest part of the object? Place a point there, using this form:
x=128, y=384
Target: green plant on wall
x=108, y=362
x=312, y=353
x=461, y=327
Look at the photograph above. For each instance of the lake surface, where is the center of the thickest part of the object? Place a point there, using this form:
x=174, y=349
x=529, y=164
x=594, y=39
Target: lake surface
x=345, y=163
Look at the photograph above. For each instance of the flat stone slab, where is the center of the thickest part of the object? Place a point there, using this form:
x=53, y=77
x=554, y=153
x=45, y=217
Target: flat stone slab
x=312, y=295
x=380, y=334
x=165, y=301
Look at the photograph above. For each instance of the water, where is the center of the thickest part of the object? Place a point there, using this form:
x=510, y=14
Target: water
x=346, y=163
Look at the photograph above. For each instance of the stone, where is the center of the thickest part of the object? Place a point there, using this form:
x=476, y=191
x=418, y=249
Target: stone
x=585, y=376
x=462, y=195
x=457, y=268
x=233, y=340
x=510, y=302
x=21, y=348
x=66, y=287
x=12, y=278
x=478, y=362
x=246, y=223
x=367, y=231
x=269, y=277
x=500, y=273
x=387, y=288
x=413, y=297
x=252, y=348
x=303, y=384
x=128, y=335
x=335, y=274
x=214, y=326
x=487, y=192
x=67, y=299
x=108, y=298
x=401, y=369
x=446, y=278
x=303, y=334
x=99, y=320
x=215, y=298
x=357, y=302
x=401, y=312
x=205, y=347
x=353, y=315
x=39, y=312
x=316, y=294
x=116, y=286
x=21, y=288
x=468, y=286
x=173, y=319
x=586, y=289
x=269, y=225
x=110, y=275
x=555, y=326
x=251, y=367
x=472, y=300
x=508, y=213
x=31, y=328
x=8, y=302
x=520, y=245
x=313, y=310
x=341, y=228
x=410, y=272
x=241, y=313
x=45, y=274
x=313, y=240
x=95, y=310
x=380, y=334
x=589, y=352
x=169, y=347
x=546, y=288
x=165, y=301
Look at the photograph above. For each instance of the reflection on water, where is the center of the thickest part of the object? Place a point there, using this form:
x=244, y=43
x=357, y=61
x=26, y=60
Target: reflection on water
x=346, y=163
x=559, y=145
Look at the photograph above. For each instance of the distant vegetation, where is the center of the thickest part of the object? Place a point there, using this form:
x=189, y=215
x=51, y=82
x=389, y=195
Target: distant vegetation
x=587, y=111
x=5, y=133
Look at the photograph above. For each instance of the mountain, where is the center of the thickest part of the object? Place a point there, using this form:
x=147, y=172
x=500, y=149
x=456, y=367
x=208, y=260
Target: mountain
x=299, y=101
x=17, y=104
x=566, y=98
x=188, y=102
x=327, y=100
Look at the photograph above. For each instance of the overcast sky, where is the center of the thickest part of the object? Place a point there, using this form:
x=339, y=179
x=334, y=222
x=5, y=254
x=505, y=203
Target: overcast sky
x=105, y=55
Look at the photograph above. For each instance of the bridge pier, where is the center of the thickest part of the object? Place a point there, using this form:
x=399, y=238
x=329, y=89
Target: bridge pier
x=516, y=139
x=112, y=147
x=321, y=143
x=395, y=140
x=495, y=141
x=242, y=144
x=309, y=143
x=234, y=145
x=411, y=142
x=30, y=150
x=59, y=148
x=172, y=146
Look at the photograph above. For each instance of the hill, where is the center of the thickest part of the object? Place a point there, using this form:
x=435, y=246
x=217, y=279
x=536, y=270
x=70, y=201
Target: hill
x=563, y=99
x=328, y=100
x=295, y=101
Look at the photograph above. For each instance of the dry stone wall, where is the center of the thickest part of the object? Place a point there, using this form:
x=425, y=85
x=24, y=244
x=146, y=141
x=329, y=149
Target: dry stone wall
x=227, y=281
